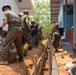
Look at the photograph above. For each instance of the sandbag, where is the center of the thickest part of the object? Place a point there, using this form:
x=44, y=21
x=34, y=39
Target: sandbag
x=12, y=53
x=12, y=56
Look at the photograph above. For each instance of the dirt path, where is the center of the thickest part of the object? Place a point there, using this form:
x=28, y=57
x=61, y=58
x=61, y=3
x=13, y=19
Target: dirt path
x=62, y=61
x=17, y=68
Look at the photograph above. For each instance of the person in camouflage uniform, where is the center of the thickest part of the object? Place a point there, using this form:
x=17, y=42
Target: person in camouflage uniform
x=20, y=16
x=55, y=40
x=14, y=34
x=26, y=29
x=36, y=36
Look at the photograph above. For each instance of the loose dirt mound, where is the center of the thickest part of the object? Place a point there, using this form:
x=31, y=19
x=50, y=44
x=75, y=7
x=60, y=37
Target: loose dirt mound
x=26, y=67
x=62, y=58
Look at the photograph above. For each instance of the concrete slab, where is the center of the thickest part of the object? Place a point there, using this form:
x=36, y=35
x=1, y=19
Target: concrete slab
x=54, y=66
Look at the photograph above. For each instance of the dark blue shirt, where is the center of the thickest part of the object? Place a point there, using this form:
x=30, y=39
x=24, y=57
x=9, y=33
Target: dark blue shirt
x=34, y=30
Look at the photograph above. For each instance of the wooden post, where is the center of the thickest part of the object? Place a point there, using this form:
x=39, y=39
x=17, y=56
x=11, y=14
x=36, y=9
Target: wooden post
x=40, y=67
x=49, y=61
x=42, y=64
x=35, y=67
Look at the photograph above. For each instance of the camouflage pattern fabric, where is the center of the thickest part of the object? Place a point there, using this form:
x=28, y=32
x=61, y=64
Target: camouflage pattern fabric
x=14, y=35
x=56, y=40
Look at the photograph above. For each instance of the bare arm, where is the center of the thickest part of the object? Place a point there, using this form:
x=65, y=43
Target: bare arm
x=27, y=22
x=4, y=23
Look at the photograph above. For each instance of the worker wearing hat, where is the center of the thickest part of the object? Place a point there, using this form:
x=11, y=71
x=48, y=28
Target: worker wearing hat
x=26, y=29
x=55, y=39
x=20, y=16
x=14, y=34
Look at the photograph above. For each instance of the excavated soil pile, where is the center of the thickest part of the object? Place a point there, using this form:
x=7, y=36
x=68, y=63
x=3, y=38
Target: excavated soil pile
x=26, y=67
x=62, y=58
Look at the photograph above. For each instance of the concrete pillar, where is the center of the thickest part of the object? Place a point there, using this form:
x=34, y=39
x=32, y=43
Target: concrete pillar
x=74, y=20
x=65, y=17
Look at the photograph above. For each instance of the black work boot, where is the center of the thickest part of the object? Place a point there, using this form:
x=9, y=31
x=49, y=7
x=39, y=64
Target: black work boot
x=20, y=59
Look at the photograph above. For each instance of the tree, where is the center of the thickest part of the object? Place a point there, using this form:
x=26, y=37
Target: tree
x=42, y=16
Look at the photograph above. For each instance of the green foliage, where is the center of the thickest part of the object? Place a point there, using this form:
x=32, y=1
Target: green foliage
x=42, y=16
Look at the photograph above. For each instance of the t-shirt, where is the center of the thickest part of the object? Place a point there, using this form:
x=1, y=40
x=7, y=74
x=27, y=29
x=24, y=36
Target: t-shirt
x=36, y=29
x=23, y=20
x=61, y=31
x=11, y=17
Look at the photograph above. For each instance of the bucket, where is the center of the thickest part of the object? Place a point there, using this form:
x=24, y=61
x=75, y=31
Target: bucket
x=26, y=46
x=16, y=48
x=73, y=70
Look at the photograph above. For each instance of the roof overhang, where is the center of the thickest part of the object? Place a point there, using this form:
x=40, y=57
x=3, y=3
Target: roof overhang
x=55, y=5
x=69, y=2
x=26, y=5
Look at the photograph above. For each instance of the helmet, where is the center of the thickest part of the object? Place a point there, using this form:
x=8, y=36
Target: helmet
x=26, y=12
x=41, y=27
x=20, y=14
x=6, y=5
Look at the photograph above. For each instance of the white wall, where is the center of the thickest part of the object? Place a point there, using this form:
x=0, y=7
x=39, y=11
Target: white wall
x=14, y=9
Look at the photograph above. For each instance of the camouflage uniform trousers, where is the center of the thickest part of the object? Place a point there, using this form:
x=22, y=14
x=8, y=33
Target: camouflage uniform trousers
x=14, y=35
x=37, y=38
x=25, y=36
x=56, y=40
x=32, y=42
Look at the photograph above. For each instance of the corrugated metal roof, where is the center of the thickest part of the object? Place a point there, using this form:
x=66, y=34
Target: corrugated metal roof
x=55, y=5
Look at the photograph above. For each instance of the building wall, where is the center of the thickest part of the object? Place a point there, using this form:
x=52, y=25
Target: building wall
x=60, y=17
x=70, y=36
x=74, y=20
x=69, y=21
x=14, y=9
